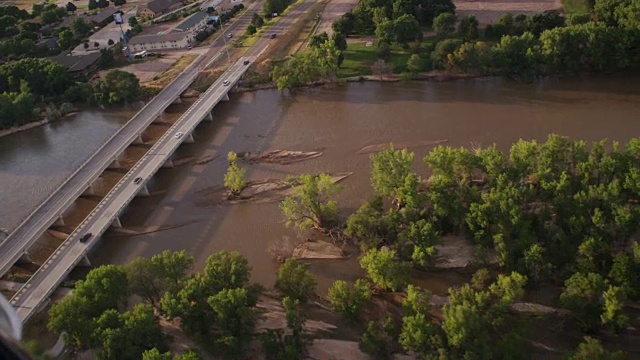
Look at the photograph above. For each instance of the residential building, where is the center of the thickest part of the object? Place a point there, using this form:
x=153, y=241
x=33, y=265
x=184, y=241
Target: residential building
x=158, y=7
x=172, y=40
x=104, y=17
x=78, y=64
x=192, y=23
x=51, y=44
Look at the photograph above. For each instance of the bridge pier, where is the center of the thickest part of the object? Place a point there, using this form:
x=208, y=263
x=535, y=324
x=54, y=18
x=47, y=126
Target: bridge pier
x=144, y=192
x=116, y=223
x=59, y=221
x=90, y=191
x=138, y=140
x=168, y=164
x=158, y=121
x=116, y=164
x=209, y=116
x=189, y=139
x=225, y=97
x=178, y=100
x=84, y=262
x=26, y=259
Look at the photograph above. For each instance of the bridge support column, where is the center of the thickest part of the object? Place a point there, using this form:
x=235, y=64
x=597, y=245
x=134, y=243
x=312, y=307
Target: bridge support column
x=178, y=100
x=189, y=139
x=168, y=164
x=225, y=97
x=209, y=116
x=59, y=221
x=138, y=140
x=159, y=121
x=26, y=259
x=90, y=191
x=144, y=191
x=116, y=223
x=116, y=164
x=84, y=262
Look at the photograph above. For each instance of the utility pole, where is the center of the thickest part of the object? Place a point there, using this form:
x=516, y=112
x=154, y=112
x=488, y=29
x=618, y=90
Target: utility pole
x=224, y=37
x=119, y=20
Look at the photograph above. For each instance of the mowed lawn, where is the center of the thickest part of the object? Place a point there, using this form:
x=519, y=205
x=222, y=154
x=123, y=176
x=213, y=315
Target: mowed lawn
x=576, y=6
x=358, y=59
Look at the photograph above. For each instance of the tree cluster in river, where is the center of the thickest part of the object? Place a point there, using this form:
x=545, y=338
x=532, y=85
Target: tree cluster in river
x=557, y=211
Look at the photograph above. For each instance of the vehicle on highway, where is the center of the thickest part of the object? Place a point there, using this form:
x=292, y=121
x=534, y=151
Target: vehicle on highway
x=137, y=180
x=225, y=83
x=246, y=62
x=178, y=135
x=229, y=35
x=273, y=36
x=85, y=237
x=189, y=47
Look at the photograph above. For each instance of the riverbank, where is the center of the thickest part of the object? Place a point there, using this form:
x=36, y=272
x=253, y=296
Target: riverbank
x=33, y=124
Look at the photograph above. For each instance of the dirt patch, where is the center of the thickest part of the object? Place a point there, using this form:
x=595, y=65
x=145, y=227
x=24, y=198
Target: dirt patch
x=333, y=11
x=164, y=79
x=317, y=250
x=456, y=252
x=322, y=349
x=489, y=11
x=274, y=318
x=281, y=157
x=399, y=145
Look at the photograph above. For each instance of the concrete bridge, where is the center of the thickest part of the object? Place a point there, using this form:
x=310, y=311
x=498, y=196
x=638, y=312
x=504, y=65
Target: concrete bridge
x=34, y=294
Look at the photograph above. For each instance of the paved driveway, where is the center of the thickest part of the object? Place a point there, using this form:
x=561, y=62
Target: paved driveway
x=102, y=36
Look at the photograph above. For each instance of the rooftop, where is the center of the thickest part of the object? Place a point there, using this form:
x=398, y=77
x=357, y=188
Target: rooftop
x=103, y=15
x=75, y=63
x=191, y=21
x=155, y=38
x=161, y=5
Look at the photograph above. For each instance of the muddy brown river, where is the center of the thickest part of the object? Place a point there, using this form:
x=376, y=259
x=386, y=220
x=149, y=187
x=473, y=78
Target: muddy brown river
x=182, y=213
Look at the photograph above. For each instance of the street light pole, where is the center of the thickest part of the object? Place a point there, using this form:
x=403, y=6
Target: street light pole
x=224, y=37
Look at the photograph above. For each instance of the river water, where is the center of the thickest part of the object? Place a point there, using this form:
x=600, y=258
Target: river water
x=338, y=121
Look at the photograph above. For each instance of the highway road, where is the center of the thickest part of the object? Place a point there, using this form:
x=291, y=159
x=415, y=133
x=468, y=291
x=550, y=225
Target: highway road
x=30, y=230
x=48, y=277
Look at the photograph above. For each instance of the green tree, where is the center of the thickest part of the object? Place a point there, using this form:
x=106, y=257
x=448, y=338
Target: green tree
x=347, y=300
x=251, y=29
x=234, y=177
x=340, y=40
x=227, y=270
x=295, y=281
x=406, y=29
x=471, y=57
x=81, y=28
x=72, y=317
x=117, y=87
x=376, y=341
x=391, y=176
x=257, y=20
x=367, y=225
x=591, y=349
x=423, y=237
x=440, y=55
x=613, y=316
x=234, y=316
x=310, y=206
x=277, y=345
x=468, y=28
x=317, y=40
x=581, y=295
x=151, y=278
x=49, y=17
x=129, y=335
x=384, y=269
x=415, y=64
x=155, y=354
x=65, y=39
x=444, y=25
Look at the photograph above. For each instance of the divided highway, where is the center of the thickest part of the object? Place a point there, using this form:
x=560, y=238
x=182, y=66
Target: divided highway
x=30, y=230
x=48, y=277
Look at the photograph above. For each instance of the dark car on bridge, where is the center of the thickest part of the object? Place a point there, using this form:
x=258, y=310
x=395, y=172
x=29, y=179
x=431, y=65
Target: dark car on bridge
x=85, y=237
x=273, y=36
x=137, y=180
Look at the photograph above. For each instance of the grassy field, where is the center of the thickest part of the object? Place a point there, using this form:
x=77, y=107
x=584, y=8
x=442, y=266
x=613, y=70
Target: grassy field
x=576, y=6
x=358, y=59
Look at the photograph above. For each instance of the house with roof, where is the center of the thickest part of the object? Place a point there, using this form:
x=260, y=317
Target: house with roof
x=159, y=7
x=180, y=37
x=194, y=22
x=50, y=44
x=172, y=40
x=104, y=17
x=78, y=65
